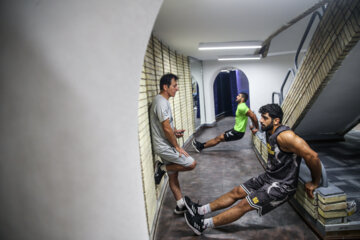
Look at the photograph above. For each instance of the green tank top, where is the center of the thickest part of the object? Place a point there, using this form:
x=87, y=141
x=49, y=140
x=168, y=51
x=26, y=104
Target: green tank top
x=241, y=118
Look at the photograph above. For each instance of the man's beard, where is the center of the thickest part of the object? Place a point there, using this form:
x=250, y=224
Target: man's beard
x=267, y=128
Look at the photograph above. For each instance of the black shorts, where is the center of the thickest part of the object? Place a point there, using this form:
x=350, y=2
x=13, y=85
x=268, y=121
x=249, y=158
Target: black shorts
x=232, y=135
x=263, y=195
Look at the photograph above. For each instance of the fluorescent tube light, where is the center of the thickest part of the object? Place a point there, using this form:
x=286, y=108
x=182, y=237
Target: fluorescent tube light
x=230, y=45
x=239, y=58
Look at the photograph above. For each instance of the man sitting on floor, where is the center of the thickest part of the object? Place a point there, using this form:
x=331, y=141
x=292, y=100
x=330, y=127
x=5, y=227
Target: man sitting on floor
x=271, y=188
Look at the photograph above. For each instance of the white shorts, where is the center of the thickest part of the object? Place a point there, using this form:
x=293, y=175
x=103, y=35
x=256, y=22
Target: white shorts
x=171, y=155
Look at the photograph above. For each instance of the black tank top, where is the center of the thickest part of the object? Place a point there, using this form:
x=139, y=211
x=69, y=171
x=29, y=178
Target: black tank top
x=282, y=167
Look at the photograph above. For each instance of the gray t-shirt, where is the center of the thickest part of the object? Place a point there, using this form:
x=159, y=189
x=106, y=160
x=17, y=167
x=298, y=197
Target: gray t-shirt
x=160, y=110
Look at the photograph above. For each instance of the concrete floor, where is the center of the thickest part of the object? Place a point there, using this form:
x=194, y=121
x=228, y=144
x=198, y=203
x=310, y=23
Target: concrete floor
x=220, y=169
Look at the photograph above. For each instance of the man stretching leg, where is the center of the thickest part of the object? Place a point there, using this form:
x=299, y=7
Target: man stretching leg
x=271, y=188
x=175, y=159
x=236, y=133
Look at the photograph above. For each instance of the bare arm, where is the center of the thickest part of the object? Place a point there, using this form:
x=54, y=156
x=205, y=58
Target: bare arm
x=170, y=135
x=290, y=142
x=255, y=127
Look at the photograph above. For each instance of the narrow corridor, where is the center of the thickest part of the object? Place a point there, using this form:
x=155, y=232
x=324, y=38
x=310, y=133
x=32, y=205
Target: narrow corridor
x=220, y=169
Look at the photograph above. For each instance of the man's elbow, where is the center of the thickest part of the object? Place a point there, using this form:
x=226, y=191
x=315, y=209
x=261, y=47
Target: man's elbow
x=315, y=157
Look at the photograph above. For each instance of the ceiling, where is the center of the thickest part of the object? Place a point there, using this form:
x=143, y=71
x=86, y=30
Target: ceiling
x=183, y=24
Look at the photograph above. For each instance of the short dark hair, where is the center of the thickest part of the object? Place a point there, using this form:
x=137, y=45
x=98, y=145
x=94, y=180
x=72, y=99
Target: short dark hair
x=244, y=95
x=274, y=111
x=166, y=79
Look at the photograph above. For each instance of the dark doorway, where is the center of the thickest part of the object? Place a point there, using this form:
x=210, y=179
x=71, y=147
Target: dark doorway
x=222, y=95
x=228, y=84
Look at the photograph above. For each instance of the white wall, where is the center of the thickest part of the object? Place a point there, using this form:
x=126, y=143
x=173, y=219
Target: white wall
x=265, y=76
x=70, y=73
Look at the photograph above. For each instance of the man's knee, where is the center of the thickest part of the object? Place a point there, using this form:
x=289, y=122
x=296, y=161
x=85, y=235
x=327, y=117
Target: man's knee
x=243, y=205
x=192, y=166
x=238, y=192
x=220, y=138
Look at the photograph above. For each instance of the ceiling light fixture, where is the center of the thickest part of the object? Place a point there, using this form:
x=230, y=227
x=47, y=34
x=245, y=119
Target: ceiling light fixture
x=230, y=45
x=239, y=58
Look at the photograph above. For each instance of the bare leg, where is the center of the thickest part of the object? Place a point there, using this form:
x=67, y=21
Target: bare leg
x=179, y=168
x=174, y=185
x=233, y=213
x=173, y=172
x=214, y=141
x=228, y=199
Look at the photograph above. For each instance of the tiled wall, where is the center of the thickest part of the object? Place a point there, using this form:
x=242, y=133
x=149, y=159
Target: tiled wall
x=336, y=34
x=160, y=59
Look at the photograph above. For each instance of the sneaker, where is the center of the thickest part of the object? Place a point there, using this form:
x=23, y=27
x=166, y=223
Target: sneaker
x=197, y=145
x=196, y=223
x=178, y=210
x=158, y=172
x=191, y=206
